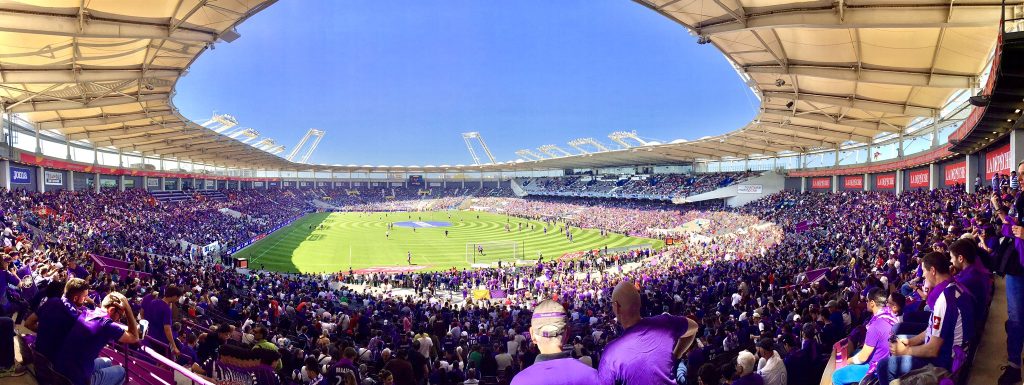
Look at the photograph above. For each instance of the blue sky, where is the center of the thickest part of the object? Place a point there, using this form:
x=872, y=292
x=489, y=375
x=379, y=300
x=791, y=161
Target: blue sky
x=397, y=82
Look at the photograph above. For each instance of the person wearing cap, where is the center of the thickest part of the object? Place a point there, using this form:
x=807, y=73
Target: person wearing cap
x=770, y=366
x=553, y=365
x=649, y=350
x=158, y=314
x=745, y=365
x=55, y=317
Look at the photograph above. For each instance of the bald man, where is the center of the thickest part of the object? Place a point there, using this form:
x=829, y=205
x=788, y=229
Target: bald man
x=553, y=366
x=649, y=349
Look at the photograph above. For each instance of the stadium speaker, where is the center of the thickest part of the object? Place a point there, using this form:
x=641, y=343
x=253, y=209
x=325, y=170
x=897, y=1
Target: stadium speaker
x=790, y=104
x=979, y=100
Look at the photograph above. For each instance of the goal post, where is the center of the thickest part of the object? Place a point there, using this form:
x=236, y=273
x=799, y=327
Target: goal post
x=493, y=251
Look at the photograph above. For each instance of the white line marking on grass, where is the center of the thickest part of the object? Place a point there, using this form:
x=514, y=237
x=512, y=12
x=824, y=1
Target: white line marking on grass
x=281, y=238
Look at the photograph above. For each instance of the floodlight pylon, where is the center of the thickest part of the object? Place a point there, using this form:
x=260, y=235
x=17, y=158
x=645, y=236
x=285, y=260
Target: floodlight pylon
x=220, y=122
x=553, y=150
x=319, y=134
x=528, y=154
x=579, y=143
x=468, y=138
x=621, y=136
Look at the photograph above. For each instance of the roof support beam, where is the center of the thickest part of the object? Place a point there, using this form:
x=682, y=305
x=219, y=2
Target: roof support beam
x=692, y=152
x=855, y=17
x=877, y=76
x=47, y=76
x=818, y=131
x=814, y=117
x=852, y=102
x=148, y=138
x=122, y=131
x=195, y=150
x=69, y=25
x=715, y=147
x=201, y=155
x=752, y=147
x=72, y=105
x=170, y=145
x=102, y=120
x=758, y=136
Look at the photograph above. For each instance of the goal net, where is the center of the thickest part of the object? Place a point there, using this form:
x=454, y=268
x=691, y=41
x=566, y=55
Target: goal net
x=493, y=251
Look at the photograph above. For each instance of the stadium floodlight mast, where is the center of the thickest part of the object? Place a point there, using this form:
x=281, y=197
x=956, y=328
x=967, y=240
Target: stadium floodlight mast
x=553, y=150
x=528, y=154
x=265, y=144
x=468, y=138
x=579, y=143
x=249, y=134
x=621, y=136
x=220, y=122
x=319, y=134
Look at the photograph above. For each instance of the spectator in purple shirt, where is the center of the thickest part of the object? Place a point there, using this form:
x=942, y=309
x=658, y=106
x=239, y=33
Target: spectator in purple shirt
x=553, y=366
x=158, y=313
x=876, y=341
x=56, y=316
x=78, y=359
x=649, y=349
x=9, y=305
x=971, y=273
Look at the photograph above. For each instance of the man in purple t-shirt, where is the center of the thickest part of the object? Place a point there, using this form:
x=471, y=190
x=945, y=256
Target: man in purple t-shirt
x=56, y=316
x=876, y=341
x=78, y=358
x=649, y=349
x=158, y=313
x=553, y=366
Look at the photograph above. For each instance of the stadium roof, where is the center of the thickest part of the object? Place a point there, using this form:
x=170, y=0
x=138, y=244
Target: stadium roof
x=828, y=73
x=104, y=71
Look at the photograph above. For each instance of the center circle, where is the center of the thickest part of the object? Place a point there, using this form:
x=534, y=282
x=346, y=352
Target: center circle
x=422, y=224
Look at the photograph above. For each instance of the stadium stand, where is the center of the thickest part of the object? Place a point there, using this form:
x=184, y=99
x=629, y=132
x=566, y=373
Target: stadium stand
x=900, y=278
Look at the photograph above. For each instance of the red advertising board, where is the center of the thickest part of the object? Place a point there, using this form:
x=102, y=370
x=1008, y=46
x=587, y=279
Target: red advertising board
x=885, y=181
x=955, y=173
x=57, y=164
x=997, y=161
x=821, y=183
x=918, y=178
x=853, y=182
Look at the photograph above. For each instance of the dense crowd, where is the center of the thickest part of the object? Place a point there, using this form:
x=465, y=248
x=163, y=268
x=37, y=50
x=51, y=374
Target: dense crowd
x=786, y=277
x=656, y=186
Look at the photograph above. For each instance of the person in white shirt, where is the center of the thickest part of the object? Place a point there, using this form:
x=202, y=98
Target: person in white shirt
x=770, y=366
x=425, y=345
x=504, y=360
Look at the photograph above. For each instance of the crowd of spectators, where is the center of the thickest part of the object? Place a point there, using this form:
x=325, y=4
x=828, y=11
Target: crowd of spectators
x=656, y=186
x=759, y=295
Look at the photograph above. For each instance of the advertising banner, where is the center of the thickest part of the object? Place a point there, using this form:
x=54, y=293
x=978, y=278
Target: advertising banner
x=885, y=181
x=918, y=178
x=955, y=173
x=997, y=161
x=853, y=182
x=21, y=175
x=749, y=189
x=53, y=178
x=821, y=183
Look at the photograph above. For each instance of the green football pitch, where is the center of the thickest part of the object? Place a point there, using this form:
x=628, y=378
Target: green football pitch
x=331, y=242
